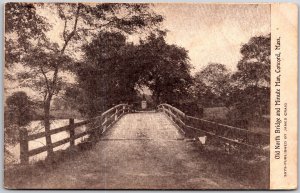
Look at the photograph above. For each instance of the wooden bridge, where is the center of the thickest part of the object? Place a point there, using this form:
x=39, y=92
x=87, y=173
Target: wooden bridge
x=156, y=150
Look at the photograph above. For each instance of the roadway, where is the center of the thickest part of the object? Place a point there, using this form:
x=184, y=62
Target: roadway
x=143, y=151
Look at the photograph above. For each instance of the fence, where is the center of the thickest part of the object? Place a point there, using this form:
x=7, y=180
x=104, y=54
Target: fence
x=196, y=127
x=100, y=125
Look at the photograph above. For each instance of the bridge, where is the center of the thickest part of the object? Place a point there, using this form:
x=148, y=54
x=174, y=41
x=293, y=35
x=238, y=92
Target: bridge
x=162, y=149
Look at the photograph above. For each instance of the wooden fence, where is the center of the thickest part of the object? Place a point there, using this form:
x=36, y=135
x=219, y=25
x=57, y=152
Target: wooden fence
x=219, y=133
x=98, y=125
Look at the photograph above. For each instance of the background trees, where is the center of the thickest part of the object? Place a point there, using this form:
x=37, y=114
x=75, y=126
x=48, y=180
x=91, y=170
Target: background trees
x=18, y=105
x=254, y=67
x=246, y=91
x=114, y=71
x=213, y=85
x=250, y=95
x=18, y=113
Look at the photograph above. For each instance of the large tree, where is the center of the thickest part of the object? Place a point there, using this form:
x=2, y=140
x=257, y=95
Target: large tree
x=250, y=93
x=114, y=71
x=255, y=65
x=166, y=69
x=212, y=85
x=109, y=73
x=45, y=58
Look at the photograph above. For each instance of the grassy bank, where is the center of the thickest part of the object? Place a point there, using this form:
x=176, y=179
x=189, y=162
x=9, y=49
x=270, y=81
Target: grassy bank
x=57, y=114
x=220, y=115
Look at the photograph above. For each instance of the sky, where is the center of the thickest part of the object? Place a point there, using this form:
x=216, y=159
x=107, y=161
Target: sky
x=214, y=33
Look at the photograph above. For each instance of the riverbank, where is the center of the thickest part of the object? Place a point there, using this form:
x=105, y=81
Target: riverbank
x=57, y=114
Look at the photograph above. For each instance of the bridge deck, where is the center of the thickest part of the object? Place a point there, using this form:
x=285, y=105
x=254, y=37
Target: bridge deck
x=142, y=150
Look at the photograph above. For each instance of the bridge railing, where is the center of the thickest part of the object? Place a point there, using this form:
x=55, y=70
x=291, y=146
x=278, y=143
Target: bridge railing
x=174, y=114
x=97, y=125
x=216, y=132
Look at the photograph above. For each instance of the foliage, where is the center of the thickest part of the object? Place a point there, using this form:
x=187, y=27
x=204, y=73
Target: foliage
x=250, y=94
x=18, y=114
x=109, y=73
x=250, y=103
x=255, y=65
x=246, y=91
x=18, y=105
x=81, y=21
x=212, y=85
x=22, y=26
x=114, y=71
x=166, y=69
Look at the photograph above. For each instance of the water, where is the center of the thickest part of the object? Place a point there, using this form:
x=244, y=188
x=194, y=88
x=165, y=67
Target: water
x=37, y=127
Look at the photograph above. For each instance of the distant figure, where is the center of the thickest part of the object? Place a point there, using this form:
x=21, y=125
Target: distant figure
x=144, y=102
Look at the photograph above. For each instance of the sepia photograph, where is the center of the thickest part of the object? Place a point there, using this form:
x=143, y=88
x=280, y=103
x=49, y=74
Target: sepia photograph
x=147, y=96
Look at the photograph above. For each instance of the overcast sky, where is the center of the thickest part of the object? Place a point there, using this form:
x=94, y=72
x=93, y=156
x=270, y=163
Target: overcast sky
x=214, y=32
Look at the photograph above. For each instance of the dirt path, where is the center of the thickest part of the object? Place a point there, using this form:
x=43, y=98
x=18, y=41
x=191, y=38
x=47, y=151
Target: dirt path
x=143, y=150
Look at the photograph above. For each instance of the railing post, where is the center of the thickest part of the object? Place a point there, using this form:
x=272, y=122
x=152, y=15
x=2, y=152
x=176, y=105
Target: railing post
x=116, y=114
x=23, y=137
x=105, y=125
x=72, y=132
x=188, y=132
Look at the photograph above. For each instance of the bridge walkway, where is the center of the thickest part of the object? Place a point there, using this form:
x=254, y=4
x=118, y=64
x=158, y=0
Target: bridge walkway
x=142, y=150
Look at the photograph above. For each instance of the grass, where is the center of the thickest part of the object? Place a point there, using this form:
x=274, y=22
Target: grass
x=215, y=113
x=58, y=114
x=16, y=175
x=250, y=168
x=219, y=114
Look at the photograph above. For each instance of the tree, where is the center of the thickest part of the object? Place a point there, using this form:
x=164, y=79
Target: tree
x=250, y=103
x=46, y=58
x=114, y=71
x=22, y=25
x=17, y=114
x=19, y=108
x=250, y=93
x=109, y=73
x=166, y=69
x=255, y=65
x=212, y=85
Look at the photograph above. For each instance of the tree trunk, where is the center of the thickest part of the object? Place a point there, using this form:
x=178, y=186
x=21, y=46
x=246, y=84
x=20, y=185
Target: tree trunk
x=157, y=98
x=47, y=127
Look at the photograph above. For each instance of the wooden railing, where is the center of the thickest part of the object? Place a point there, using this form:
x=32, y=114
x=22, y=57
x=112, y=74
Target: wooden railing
x=97, y=125
x=216, y=132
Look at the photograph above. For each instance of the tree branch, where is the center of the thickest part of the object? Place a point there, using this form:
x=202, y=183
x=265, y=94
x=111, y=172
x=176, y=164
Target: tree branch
x=67, y=40
x=64, y=32
x=73, y=32
x=97, y=27
x=46, y=79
